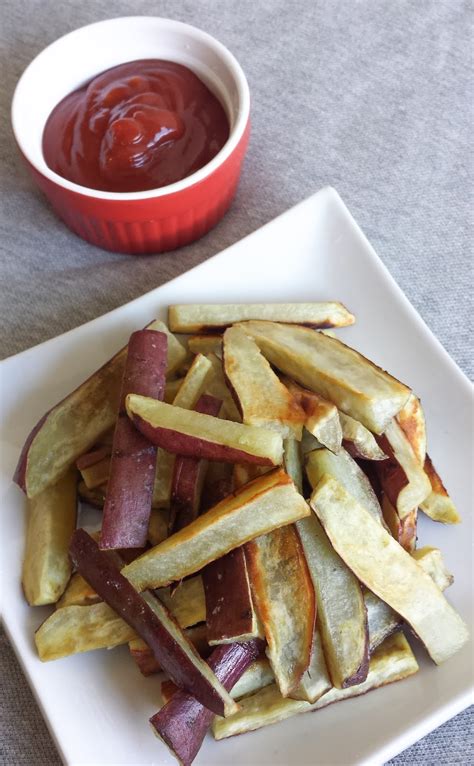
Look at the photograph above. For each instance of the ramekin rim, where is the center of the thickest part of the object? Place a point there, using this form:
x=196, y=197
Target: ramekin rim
x=200, y=175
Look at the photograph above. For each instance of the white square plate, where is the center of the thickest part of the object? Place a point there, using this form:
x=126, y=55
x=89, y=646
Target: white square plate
x=97, y=705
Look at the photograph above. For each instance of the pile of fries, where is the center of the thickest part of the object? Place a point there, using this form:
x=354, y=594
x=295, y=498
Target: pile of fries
x=259, y=483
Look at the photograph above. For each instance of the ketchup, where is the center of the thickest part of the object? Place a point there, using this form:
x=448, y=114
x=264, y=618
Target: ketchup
x=137, y=126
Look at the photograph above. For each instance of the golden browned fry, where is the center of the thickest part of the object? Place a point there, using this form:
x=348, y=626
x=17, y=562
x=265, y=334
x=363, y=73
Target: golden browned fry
x=201, y=317
x=412, y=420
x=78, y=593
x=401, y=476
x=321, y=417
x=263, y=399
x=206, y=344
x=186, y=603
x=218, y=387
x=340, y=607
x=403, y=530
x=284, y=598
x=358, y=440
x=51, y=522
x=262, y=505
x=343, y=468
x=76, y=629
x=388, y=570
x=315, y=680
x=393, y=661
x=335, y=371
x=438, y=505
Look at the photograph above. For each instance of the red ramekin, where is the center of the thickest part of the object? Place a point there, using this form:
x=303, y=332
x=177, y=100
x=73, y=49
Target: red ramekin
x=140, y=222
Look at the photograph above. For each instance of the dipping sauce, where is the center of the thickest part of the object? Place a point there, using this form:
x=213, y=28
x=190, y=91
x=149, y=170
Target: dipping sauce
x=137, y=126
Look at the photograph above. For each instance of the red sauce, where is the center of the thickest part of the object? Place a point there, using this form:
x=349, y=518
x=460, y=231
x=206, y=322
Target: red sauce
x=137, y=126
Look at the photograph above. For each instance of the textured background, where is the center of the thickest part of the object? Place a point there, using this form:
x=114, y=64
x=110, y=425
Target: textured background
x=371, y=96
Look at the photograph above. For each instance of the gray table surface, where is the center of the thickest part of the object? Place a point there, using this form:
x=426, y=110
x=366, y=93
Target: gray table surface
x=371, y=96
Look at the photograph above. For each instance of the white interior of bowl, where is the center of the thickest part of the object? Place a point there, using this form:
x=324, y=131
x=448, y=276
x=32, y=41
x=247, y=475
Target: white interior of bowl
x=76, y=58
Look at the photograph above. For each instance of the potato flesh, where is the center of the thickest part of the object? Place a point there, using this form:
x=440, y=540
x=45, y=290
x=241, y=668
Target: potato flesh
x=284, y=598
x=76, y=629
x=265, y=504
x=217, y=386
x=393, y=661
x=335, y=371
x=187, y=603
x=411, y=419
x=431, y=560
x=256, y=677
x=315, y=680
x=342, y=618
x=405, y=481
x=343, y=468
x=388, y=570
x=358, y=440
x=293, y=463
x=193, y=318
x=78, y=593
x=76, y=423
x=51, y=522
x=321, y=417
x=438, y=505
x=260, y=444
x=205, y=344
x=264, y=400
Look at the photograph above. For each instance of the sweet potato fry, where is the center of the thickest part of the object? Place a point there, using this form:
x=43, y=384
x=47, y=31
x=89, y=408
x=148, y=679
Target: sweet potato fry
x=128, y=499
x=401, y=476
x=438, y=505
x=183, y=722
x=187, y=603
x=315, y=680
x=285, y=601
x=51, y=522
x=171, y=389
x=194, y=383
x=262, y=505
x=402, y=530
x=411, y=418
x=343, y=468
x=94, y=497
x=262, y=399
x=76, y=629
x=431, y=560
x=382, y=620
x=78, y=592
x=205, y=344
x=75, y=424
x=377, y=560
x=145, y=658
x=321, y=417
x=293, y=462
x=330, y=368
x=93, y=457
x=358, y=441
x=197, y=435
x=188, y=476
x=341, y=608
x=149, y=617
x=217, y=386
x=216, y=317
x=258, y=675
x=96, y=474
x=230, y=615
x=393, y=661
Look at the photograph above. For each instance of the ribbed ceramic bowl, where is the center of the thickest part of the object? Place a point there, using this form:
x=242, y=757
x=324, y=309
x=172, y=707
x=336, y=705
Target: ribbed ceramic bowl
x=140, y=222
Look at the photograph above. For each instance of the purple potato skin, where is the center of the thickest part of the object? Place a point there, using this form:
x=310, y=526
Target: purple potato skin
x=103, y=575
x=127, y=504
x=185, y=488
x=183, y=722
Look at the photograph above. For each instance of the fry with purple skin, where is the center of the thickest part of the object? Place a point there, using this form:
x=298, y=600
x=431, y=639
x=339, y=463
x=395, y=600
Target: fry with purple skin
x=154, y=624
x=188, y=476
x=183, y=722
x=127, y=505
